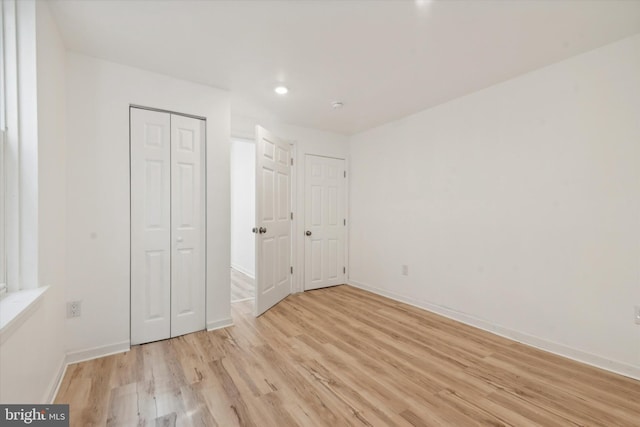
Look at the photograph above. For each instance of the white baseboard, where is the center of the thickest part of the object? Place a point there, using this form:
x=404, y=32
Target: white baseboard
x=533, y=341
x=106, y=350
x=95, y=352
x=219, y=324
x=54, y=386
x=243, y=271
x=82, y=356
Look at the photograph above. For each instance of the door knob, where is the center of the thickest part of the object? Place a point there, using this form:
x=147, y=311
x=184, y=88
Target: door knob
x=254, y=230
x=308, y=233
x=262, y=230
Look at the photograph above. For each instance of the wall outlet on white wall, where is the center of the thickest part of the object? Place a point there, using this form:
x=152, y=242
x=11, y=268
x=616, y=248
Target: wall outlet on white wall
x=74, y=309
x=405, y=270
x=637, y=314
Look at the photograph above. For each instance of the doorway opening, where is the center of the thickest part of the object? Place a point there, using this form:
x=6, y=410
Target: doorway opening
x=243, y=196
x=262, y=220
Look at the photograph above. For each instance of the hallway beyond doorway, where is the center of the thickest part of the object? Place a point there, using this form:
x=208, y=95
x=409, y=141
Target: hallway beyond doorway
x=242, y=286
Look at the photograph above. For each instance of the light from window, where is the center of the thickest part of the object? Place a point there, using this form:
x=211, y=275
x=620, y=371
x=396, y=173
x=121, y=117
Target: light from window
x=3, y=258
x=3, y=168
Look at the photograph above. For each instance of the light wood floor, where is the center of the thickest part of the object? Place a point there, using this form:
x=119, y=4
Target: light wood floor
x=338, y=357
x=242, y=286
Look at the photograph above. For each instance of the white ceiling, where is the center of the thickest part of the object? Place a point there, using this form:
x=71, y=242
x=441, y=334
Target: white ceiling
x=383, y=59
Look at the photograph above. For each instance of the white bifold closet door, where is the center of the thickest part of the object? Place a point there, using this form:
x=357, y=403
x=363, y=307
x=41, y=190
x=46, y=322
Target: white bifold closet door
x=167, y=225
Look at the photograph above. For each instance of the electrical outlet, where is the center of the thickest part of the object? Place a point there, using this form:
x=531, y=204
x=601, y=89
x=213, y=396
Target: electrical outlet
x=405, y=270
x=637, y=314
x=74, y=309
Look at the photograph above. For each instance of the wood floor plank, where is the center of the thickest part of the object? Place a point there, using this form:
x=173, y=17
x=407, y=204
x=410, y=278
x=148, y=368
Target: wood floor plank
x=317, y=400
x=242, y=286
x=238, y=404
x=519, y=412
x=556, y=397
x=436, y=373
x=344, y=357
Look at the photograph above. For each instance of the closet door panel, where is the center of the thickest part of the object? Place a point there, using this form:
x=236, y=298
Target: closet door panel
x=150, y=226
x=187, y=225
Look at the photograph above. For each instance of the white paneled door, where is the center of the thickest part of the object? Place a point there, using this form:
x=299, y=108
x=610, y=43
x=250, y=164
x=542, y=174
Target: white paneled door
x=325, y=222
x=167, y=225
x=187, y=225
x=273, y=220
x=150, y=226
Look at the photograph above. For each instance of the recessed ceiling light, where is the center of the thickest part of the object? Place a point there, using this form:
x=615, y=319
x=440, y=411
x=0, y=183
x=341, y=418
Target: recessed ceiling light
x=281, y=90
x=337, y=104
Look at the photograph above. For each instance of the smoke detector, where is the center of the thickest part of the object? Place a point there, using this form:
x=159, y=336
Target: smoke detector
x=337, y=105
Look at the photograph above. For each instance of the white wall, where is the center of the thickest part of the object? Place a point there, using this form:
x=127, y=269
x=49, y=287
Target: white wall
x=306, y=141
x=98, y=98
x=32, y=356
x=243, y=213
x=516, y=208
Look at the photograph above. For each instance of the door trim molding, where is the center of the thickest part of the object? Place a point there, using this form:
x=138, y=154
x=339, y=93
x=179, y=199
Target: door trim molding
x=160, y=110
x=293, y=242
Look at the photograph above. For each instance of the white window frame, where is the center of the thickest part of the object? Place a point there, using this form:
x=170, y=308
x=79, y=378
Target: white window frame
x=3, y=166
x=10, y=124
x=3, y=258
x=18, y=124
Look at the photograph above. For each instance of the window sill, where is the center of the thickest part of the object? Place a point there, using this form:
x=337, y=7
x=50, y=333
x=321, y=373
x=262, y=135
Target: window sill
x=16, y=308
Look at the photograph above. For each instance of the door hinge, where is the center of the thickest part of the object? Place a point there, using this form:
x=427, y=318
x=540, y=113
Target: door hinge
x=345, y=221
x=344, y=270
x=292, y=161
x=345, y=174
x=291, y=215
x=291, y=269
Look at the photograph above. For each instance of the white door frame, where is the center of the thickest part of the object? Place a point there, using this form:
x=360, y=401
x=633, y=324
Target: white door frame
x=294, y=221
x=346, y=213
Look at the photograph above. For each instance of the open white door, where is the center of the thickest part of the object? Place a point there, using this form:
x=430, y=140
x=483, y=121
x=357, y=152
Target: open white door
x=273, y=220
x=324, y=219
